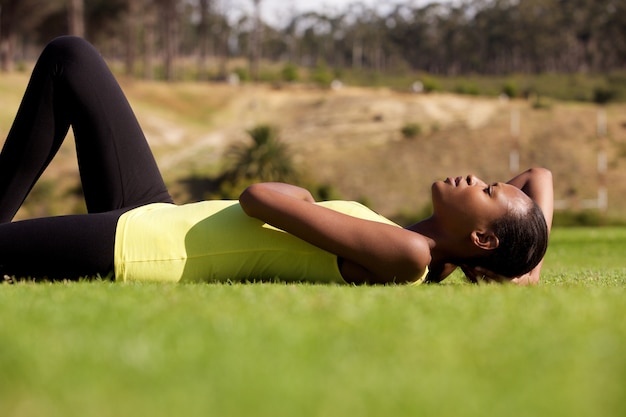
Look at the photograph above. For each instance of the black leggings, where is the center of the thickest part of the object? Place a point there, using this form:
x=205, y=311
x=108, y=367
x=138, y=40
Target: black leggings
x=72, y=86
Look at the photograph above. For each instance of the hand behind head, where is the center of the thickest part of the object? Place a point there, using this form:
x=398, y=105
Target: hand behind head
x=478, y=274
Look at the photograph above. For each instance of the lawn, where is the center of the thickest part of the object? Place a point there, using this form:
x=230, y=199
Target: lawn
x=106, y=349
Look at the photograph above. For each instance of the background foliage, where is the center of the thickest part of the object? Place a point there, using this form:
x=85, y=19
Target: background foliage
x=160, y=38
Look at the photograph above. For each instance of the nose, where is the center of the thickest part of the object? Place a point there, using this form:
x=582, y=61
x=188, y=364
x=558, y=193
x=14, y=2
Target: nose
x=474, y=180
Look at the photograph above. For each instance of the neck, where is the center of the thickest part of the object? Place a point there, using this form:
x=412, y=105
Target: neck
x=444, y=247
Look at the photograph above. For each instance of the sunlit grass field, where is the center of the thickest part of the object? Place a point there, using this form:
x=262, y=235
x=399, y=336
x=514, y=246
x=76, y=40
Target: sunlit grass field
x=107, y=349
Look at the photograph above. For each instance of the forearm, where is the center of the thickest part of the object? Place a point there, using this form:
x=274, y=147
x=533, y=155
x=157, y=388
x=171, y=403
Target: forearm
x=258, y=196
x=531, y=278
x=537, y=184
x=382, y=252
x=437, y=273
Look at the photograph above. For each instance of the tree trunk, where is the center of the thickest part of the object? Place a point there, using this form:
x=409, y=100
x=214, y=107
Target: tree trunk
x=169, y=38
x=203, y=39
x=76, y=17
x=7, y=37
x=149, y=29
x=255, y=44
x=357, y=55
x=132, y=27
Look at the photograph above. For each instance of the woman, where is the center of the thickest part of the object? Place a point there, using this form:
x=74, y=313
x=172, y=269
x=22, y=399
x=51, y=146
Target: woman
x=274, y=231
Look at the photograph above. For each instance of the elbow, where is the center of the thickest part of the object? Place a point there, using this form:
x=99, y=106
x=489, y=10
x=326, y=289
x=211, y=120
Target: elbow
x=408, y=272
x=249, y=199
x=542, y=172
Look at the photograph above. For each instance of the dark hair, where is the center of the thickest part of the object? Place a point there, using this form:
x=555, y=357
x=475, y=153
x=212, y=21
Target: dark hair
x=523, y=241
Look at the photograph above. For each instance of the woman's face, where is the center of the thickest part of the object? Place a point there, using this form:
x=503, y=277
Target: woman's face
x=468, y=203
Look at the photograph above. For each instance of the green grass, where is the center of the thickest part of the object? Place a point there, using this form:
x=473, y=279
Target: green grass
x=106, y=349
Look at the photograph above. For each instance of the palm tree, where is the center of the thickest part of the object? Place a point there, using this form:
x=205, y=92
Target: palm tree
x=265, y=159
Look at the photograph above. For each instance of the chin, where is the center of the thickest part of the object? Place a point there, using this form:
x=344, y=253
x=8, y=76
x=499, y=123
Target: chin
x=437, y=185
x=436, y=195
x=437, y=189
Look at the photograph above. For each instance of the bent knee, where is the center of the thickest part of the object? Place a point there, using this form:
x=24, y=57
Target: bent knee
x=68, y=46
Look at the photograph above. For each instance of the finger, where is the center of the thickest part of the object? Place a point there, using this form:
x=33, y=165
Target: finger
x=470, y=274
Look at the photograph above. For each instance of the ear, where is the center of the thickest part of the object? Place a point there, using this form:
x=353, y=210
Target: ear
x=486, y=240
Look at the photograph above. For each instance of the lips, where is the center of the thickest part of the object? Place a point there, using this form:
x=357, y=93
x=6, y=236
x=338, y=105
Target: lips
x=456, y=181
x=453, y=181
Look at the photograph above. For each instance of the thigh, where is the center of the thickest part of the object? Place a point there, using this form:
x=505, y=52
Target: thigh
x=72, y=85
x=116, y=164
x=63, y=247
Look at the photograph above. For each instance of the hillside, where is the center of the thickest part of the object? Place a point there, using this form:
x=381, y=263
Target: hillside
x=351, y=138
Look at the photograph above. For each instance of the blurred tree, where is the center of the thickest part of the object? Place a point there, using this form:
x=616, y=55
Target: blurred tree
x=614, y=30
x=221, y=33
x=149, y=24
x=368, y=38
x=317, y=39
x=469, y=36
x=203, y=37
x=18, y=18
x=169, y=32
x=412, y=30
x=105, y=26
x=255, y=41
x=132, y=34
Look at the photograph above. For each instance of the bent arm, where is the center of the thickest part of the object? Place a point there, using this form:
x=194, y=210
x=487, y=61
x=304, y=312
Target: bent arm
x=537, y=184
x=375, y=252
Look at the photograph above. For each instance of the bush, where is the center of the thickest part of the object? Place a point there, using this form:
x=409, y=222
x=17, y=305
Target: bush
x=289, y=72
x=602, y=95
x=430, y=85
x=467, y=88
x=584, y=218
x=242, y=73
x=325, y=192
x=411, y=130
x=540, y=103
x=322, y=75
x=510, y=89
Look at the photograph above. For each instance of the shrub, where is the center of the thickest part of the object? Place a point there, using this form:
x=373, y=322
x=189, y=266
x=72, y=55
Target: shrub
x=326, y=192
x=467, y=88
x=510, y=89
x=540, y=104
x=289, y=72
x=322, y=75
x=430, y=84
x=411, y=130
x=584, y=218
x=242, y=73
x=602, y=95
x=264, y=158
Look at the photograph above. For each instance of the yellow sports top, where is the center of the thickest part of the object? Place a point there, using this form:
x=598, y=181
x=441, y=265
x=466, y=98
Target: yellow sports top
x=215, y=241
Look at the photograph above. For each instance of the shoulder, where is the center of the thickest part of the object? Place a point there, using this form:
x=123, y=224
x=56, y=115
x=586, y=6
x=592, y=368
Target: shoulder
x=408, y=257
x=418, y=253
x=401, y=257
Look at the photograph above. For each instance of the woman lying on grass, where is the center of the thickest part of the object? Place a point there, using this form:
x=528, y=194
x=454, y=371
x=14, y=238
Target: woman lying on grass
x=275, y=231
